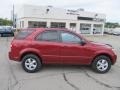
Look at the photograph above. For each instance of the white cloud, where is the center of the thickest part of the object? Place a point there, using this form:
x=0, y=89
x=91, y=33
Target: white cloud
x=109, y=7
x=5, y=6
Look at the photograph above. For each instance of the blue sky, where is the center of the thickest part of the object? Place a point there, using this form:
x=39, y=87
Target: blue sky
x=108, y=7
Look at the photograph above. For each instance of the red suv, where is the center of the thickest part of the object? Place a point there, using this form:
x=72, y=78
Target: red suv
x=35, y=47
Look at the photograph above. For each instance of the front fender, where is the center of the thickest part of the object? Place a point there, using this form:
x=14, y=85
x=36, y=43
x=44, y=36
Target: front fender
x=108, y=53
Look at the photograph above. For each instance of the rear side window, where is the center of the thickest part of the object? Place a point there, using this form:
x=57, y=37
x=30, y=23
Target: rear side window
x=23, y=34
x=48, y=36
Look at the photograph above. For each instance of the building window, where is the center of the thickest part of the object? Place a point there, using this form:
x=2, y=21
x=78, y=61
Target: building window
x=22, y=24
x=73, y=26
x=85, y=18
x=35, y=24
x=97, y=28
x=85, y=28
x=58, y=25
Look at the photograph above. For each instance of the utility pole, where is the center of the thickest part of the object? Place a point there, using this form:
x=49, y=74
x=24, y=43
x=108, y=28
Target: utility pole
x=13, y=17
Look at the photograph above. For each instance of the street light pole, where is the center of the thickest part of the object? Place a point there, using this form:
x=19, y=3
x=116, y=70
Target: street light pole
x=13, y=17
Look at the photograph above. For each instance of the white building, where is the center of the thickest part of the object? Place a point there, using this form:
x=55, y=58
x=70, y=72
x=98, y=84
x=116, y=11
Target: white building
x=80, y=21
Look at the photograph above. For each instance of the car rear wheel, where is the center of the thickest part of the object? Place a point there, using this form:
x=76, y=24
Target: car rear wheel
x=12, y=34
x=31, y=63
x=101, y=64
x=0, y=35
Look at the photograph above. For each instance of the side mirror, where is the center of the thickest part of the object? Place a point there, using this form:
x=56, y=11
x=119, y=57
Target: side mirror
x=83, y=42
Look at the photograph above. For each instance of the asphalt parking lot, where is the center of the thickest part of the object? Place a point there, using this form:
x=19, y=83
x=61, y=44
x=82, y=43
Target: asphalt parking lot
x=53, y=77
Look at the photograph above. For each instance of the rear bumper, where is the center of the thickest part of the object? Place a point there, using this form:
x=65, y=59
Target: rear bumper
x=12, y=57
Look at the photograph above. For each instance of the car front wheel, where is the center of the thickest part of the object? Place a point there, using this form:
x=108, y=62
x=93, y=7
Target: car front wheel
x=101, y=64
x=31, y=63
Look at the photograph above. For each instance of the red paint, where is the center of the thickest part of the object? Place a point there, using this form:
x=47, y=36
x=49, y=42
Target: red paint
x=59, y=52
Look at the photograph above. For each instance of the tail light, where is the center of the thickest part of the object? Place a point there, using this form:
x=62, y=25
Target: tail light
x=11, y=46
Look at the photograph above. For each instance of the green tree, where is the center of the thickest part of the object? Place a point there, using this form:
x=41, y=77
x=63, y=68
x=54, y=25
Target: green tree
x=5, y=22
x=111, y=25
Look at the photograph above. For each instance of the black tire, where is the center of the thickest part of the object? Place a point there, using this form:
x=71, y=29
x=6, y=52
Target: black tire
x=37, y=61
x=12, y=34
x=1, y=35
x=95, y=64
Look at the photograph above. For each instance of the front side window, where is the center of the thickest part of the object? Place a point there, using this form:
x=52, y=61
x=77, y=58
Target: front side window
x=70, y=38
x=48, y=36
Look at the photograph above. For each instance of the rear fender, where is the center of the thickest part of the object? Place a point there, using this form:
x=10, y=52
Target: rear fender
x=30, y=50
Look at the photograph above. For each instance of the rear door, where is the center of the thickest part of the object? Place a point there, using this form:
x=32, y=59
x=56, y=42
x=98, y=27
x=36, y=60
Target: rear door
x=49, y=46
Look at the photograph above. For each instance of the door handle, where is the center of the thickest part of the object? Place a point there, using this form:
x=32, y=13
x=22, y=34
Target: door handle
x=64, y=46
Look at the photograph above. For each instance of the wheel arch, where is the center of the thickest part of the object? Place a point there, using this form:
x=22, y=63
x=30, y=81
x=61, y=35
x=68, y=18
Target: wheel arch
x=30, y=52
x=104, y=54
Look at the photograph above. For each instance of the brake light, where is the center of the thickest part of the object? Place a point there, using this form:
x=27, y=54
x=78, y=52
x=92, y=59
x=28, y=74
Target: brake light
x=11, y=46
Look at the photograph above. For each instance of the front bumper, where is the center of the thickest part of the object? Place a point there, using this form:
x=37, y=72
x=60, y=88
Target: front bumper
x=114, y=59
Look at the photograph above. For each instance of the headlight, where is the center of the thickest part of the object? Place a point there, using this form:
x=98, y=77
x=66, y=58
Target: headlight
x=109, y=45
x=114, y=51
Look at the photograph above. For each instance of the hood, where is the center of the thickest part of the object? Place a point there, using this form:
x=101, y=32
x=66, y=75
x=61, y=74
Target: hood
x=101, y=44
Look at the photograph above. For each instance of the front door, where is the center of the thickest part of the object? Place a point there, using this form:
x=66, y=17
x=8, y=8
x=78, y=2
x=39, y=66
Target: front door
x=72, y=52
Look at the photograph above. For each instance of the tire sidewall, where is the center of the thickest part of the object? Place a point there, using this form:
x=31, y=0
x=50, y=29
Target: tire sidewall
x=94, y=64
x=1, y=35
x=39, y=64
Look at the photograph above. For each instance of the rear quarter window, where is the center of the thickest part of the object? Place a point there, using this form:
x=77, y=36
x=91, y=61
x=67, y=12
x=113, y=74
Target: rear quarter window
x=23, y=34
